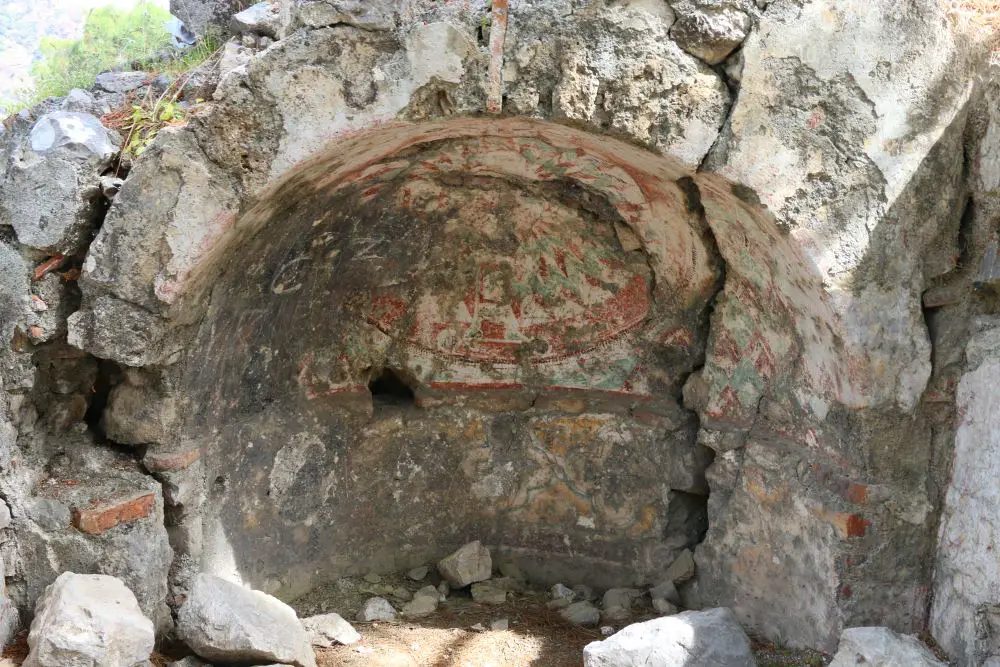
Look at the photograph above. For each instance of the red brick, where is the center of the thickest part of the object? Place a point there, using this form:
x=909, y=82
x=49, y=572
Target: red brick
x=102, y=517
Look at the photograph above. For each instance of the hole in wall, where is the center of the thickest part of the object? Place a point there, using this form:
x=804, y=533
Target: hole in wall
x=388, y=388
x=108, y=375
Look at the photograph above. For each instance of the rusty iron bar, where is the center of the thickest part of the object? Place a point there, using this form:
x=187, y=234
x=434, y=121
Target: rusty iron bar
x=498, y=33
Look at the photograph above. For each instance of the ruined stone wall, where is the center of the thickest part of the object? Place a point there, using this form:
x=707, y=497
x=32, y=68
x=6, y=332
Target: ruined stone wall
x=592, y=282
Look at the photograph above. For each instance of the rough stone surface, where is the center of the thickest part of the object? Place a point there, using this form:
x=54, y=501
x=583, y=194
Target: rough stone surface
x=121, y=82
x=376, y=609
x=424, y=603
x=327, y=630
x=581, y=613
x=63, y=157
x=262, y=18
x=665, y=591
x=965, y=617
x=710, y=30
x=190, y=661
x=467, y=565
x=617, y=603
x=883, y=647
x=95, y=513
x=89, y=619
x=489, y=593
x=682, y=569
x=692, y=638
x=344, y=310
x=369, y=15
x=201, y=15
x=651, y=91
x=225, y=622
x=843, y=146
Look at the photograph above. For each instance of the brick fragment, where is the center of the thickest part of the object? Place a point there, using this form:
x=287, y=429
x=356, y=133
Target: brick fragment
x=103, y=516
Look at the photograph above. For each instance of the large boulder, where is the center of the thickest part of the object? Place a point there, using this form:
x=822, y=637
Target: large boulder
x=222, y=621
x=51, y=193
x=89, y=619
x=882, y=647
x=689, y=639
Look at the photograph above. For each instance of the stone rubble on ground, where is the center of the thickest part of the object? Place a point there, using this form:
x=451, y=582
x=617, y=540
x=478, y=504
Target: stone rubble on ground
x=617, y=603
x=189, y=661
x=682, y=569
x=488, y=593
x=469, y=564
x=561, y=592
x=89, y=619
x=881, y=647
x=510, y=569
x=418, y=573
x=402, y=594
x=424, y=603
x=689, y=639
x=326, y=630
x=664, y=607
x=376, y=609
x=581, y=613
x=500, y=624
x=225, y=622
x=561, y=597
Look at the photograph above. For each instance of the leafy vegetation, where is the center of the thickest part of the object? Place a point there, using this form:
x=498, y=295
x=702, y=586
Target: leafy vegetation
x=112, y=38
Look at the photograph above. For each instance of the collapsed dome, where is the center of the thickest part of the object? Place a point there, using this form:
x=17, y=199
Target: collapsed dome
x=542, y=292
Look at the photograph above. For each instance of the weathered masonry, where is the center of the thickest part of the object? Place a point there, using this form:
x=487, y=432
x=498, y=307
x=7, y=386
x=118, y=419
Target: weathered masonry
x=592, y=282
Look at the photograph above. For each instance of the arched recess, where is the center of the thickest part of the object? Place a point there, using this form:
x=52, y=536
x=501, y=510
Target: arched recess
x=541, y=294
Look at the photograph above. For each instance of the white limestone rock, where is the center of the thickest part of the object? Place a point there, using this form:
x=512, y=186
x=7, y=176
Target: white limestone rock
x=224, y=622
x=376, y=609
x=469, y=564
x=89, y=619
x=327, y=630
x=882, y=647
x=691, y=639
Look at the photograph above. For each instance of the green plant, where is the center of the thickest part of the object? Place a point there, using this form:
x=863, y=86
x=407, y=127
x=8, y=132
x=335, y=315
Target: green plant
x=144, y=120
x=111, y=38
x=208, y=46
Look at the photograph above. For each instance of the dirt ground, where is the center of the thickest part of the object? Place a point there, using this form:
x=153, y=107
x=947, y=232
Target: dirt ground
x=536, y=636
